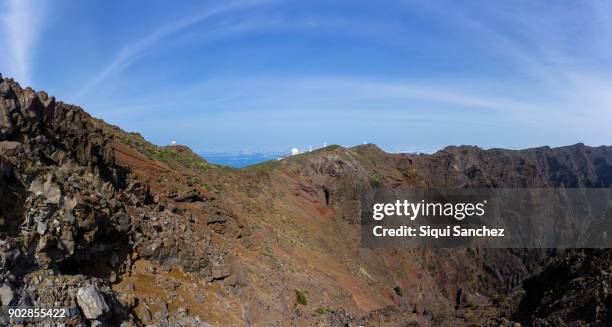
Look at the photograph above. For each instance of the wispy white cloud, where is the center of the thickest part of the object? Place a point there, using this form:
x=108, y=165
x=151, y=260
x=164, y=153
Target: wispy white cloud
x=131, y=52
x=565, y=54
x=21, y=27
x=546, y=89
x=357, y=96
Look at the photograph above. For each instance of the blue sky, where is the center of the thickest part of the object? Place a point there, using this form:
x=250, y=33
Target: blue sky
x=271, y=75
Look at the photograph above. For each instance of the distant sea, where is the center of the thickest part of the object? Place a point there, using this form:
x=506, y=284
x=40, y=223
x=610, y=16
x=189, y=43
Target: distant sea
x=240, y=159
x=243, y=159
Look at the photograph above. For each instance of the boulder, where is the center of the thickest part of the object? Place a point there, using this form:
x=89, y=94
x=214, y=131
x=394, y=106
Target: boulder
x=9, y=147
x=6, y=295
x=230, y=280
x=216, y=219
x=191, y=196
x=8, y=257
x=6, y=124
x=221, y=272
x=41, y=227
x=91, y=301
x=48, y=189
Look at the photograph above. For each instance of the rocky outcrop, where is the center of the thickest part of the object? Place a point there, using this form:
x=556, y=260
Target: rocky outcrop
x=62, y=206
x=69, y=210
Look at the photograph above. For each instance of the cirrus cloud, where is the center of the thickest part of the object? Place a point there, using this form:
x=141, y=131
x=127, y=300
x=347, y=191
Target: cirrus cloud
x=21, y=21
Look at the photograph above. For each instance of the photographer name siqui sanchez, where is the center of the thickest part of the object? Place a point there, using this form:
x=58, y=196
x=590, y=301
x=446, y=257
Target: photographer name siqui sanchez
x=412, y=210
x=437, y=232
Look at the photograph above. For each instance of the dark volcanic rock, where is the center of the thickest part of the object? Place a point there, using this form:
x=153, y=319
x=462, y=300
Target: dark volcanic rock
x=574, y=288
x=54, y=162
x=70, y=212
x=468, y=166
x=190, y=196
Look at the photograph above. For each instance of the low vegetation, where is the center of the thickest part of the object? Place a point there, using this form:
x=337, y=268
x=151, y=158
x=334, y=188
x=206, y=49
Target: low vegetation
x=300, y=298
x=323, y=311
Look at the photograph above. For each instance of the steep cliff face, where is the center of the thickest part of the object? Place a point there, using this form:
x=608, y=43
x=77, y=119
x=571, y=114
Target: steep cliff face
x=125, y=232
x=341, y=181
x=570, y=166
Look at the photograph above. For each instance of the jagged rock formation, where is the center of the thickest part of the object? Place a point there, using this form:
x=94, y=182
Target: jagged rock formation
x=61, y=204
x=123, y=232
x=71, y=218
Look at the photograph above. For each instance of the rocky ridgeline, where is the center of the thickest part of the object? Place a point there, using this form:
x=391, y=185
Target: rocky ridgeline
x=72, y=220
x=347, y=179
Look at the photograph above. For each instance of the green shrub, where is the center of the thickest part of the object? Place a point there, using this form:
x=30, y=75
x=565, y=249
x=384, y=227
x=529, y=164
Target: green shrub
x=323, y=311
x=300, y=298
x=398, y=291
